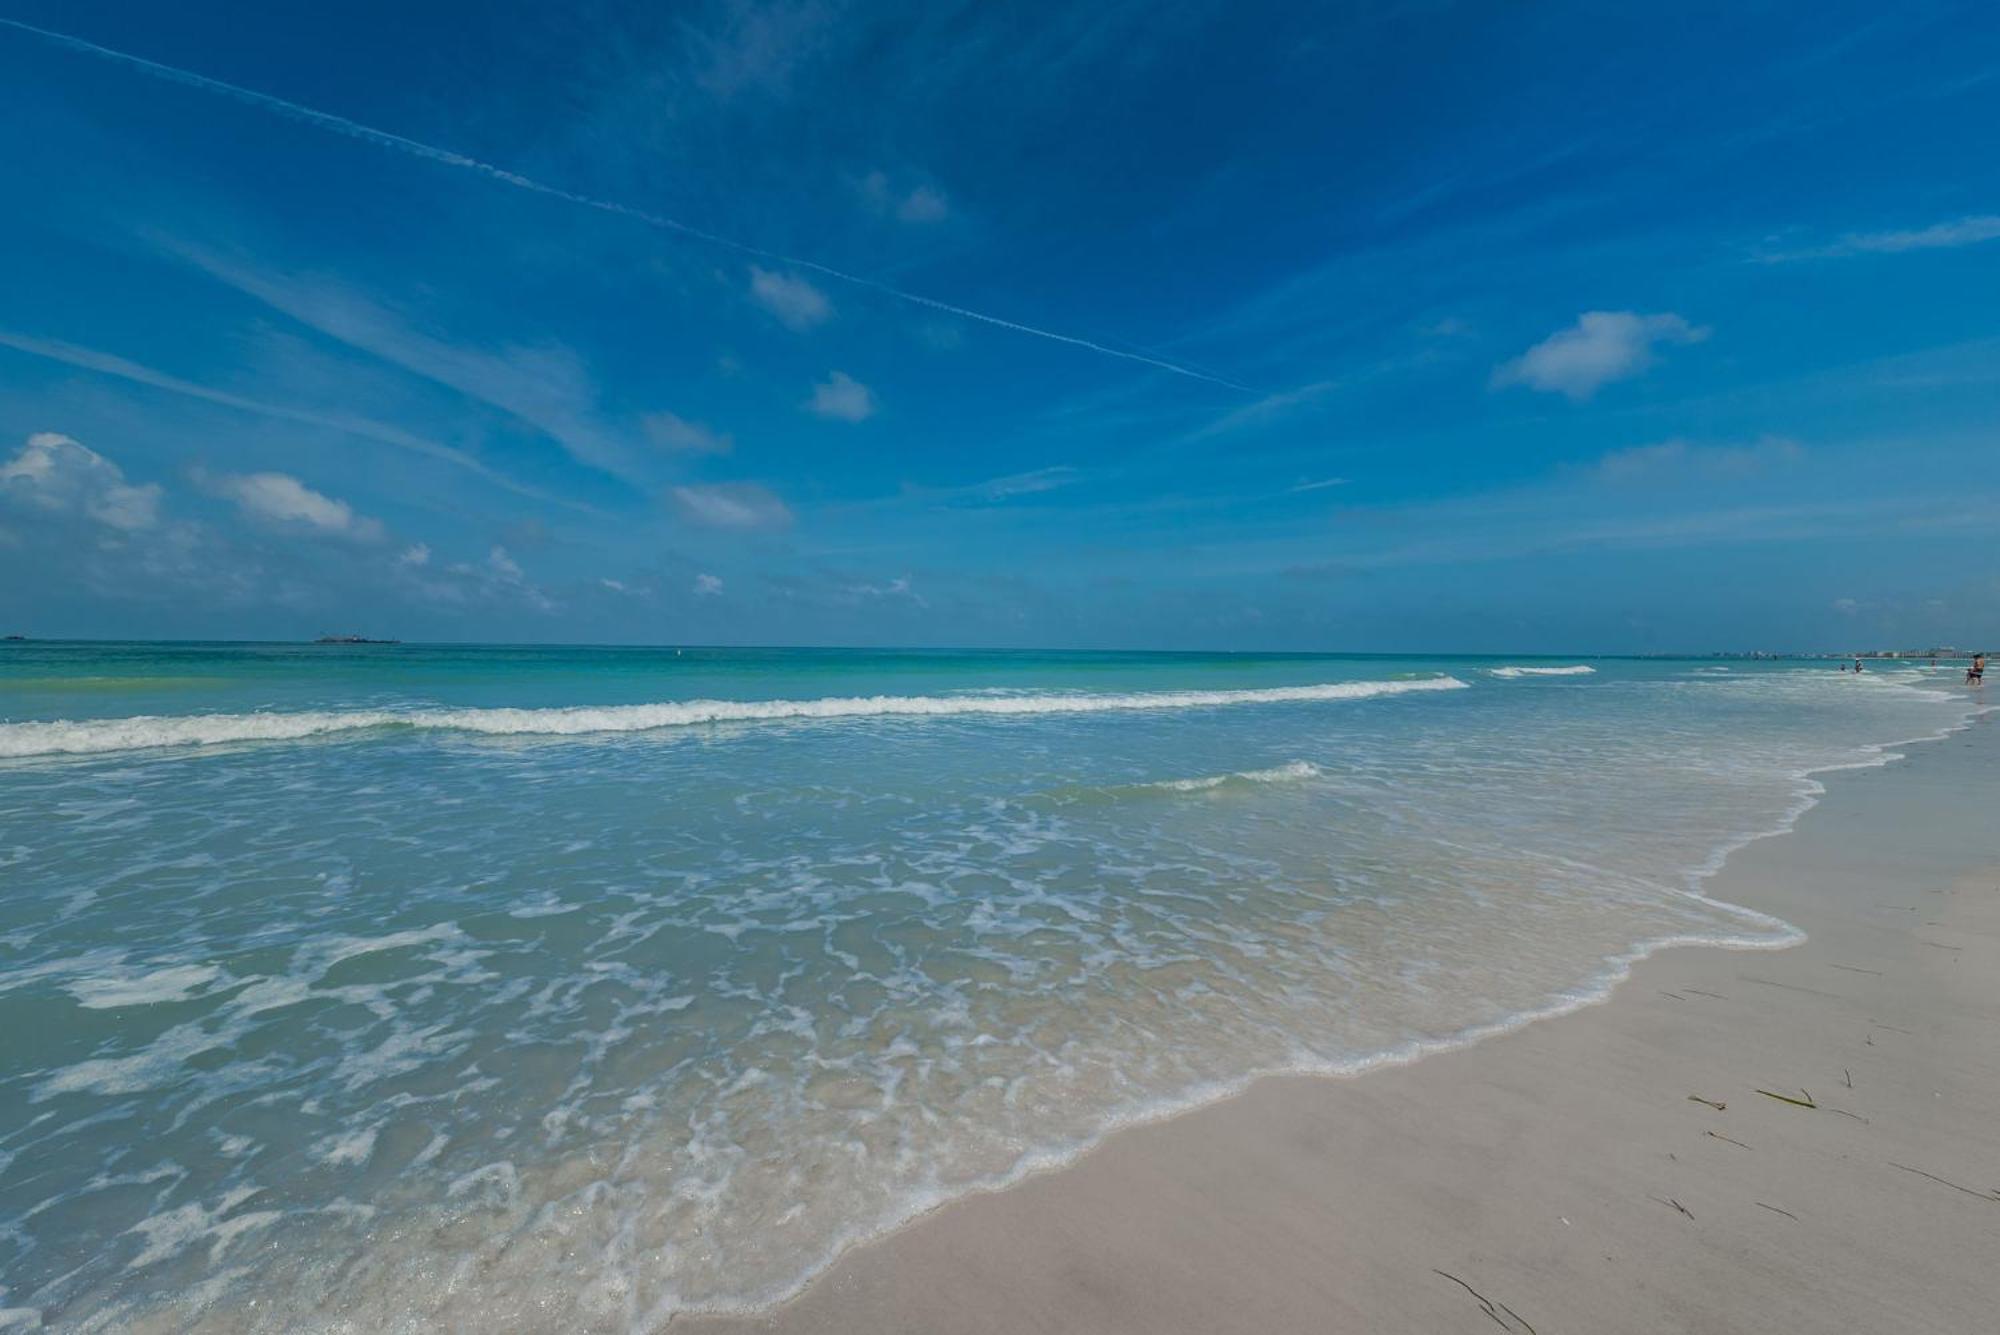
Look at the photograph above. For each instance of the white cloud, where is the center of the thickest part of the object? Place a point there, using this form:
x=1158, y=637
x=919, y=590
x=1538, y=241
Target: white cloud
x=54, y=472
x=615, y=585
x=279, y=498
x=707, y=586
x=744, y=505
x=1317, y=484
x=843, y=398
x=923, y=205
x=797, y=304
x=1938, y=236
x=1846, y=606
x=671, y=432
x=497, y=579
x=758, y=46
x=896, y=589
x=416, y=554
x=920, y=204
x=1671, y=459
x=1602, y=346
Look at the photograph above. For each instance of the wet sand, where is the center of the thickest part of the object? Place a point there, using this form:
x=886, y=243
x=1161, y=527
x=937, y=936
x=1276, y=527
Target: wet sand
x=1800, y=1140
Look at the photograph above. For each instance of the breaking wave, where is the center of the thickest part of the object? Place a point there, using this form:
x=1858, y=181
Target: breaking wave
x=1576, y=670
x=146, y=732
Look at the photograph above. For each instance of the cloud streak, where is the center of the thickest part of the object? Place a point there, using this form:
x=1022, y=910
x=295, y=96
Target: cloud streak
x=104, y=363
x=545, y=387
x=350, y=129
x=1938, y=236
x=733, y=505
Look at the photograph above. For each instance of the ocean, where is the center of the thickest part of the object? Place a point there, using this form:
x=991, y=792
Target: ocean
x=365, y=987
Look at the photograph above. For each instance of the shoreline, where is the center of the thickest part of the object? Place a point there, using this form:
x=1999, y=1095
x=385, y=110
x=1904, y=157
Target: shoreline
x=889, y=1280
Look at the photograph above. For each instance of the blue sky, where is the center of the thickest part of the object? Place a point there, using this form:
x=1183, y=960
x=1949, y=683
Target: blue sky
x=1371, y=326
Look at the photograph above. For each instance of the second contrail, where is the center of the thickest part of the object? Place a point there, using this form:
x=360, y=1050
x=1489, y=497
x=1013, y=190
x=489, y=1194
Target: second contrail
x=382, y=138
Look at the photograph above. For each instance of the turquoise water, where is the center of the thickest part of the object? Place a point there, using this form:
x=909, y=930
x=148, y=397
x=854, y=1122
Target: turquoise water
x=372, y=987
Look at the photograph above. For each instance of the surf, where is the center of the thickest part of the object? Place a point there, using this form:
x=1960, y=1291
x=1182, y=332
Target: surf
x=150, y=732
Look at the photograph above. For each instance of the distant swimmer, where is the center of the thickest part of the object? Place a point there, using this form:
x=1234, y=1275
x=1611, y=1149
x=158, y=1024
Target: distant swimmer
x=1857, y=665
x=1976, y=674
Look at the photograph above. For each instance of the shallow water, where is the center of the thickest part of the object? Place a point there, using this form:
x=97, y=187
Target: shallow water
x=395, y=984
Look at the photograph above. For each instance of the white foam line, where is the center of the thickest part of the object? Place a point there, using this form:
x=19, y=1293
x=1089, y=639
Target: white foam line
x=326, y=120
x=1289, y=772
x=148, y=731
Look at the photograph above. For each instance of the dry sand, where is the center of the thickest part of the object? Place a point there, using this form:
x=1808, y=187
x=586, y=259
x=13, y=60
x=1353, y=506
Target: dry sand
x=1564, y=1178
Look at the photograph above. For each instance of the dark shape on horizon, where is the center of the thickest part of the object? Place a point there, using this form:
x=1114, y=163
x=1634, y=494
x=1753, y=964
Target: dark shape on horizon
x=351, y=639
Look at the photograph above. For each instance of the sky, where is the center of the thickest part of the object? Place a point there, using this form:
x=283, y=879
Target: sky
x=1371, y=327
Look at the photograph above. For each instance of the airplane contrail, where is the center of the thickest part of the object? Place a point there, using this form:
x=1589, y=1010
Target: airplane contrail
x=326, y=120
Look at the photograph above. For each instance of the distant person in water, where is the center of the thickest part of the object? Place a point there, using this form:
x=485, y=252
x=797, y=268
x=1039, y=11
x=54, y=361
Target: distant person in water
x=1976, y=674
x=1857, y=665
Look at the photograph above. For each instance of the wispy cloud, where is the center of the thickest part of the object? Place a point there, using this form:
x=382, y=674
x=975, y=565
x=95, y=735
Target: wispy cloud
x=843, y=398
x=707, y=586
x=1317, y=484
x=759, y=45
x=1270, y=408
x=283, y=501
x=1602, y=346
x=1022, y=484
x=734, y=505
x=445, y=157
x=988, y=491
x=896, y=589
x=1680, y=459
x=497, y=579
x=103, y=363
x=547, y=387
x=1969, y=231
x=671, y=432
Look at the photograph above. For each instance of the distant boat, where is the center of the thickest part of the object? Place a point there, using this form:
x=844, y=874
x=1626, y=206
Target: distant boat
x=13, y=637
x=351, y=639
